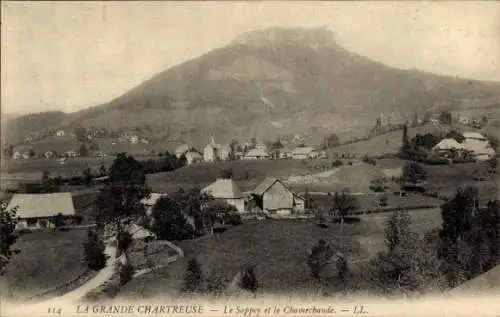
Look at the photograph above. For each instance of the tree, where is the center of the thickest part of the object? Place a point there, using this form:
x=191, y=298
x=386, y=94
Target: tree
x=344, y=204
x=81, y=134
x=83, y=151
x=342, y=269
x=87, y=176
x=193, y=278
x=409, y=263
x=94, y=251
x=169, y=222
x=405, y=144
x=45, y=177
x=126, y=273
x=469, y=237
x=217, y=211
x=194, y=204
x=8, y=236
x=227, y=173
x=413, y=173
x=308, y=203
x=59, y=220
x=319, y=258
x=31, y=153
x=102, y=171
x=249, y=280
x=9, y=151
x=445, y=117
x=121, y=198
x=330, y=141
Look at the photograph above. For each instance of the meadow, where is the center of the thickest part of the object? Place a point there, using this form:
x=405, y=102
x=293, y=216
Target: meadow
x=278, y=250
x=46, y=259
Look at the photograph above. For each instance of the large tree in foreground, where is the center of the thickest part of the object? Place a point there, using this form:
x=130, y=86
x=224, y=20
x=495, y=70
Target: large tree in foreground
x=343, y=205
x=120, y=199
x=8, y=235
x=469, y=236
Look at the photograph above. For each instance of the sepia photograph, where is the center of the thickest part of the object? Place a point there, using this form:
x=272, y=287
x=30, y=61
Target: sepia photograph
x=250, y=158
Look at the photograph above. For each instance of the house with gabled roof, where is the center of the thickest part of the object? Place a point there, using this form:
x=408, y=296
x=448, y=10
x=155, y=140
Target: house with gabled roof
x=216, y=152
x=256, y=154
x=227, y=190
x=306, y=152
x=182, y=150
x=274, y=197
x=39, y=210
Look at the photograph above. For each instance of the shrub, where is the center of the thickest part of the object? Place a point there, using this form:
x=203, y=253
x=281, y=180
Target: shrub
x=383, y=200
x=126, y=273
x=94, y=251
x=249, y=280
x=193, y=277
x=233, y=219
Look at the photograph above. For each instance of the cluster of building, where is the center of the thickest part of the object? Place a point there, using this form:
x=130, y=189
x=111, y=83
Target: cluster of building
x=214, y=152
x=271, y=196
x=474, y=145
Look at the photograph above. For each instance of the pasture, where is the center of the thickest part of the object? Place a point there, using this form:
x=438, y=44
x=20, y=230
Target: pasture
x=247, y=174
x=279, y=251
x=46, y=259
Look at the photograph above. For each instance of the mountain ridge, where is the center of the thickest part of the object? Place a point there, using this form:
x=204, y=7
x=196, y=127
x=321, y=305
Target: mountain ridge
x=273, y=82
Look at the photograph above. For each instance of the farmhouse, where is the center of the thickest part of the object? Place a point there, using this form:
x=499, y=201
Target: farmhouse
x=479, y=146
x=256, y=154
x=227, y=190
x=39, y=210
x=274, y=197
x=193, y=157
x=285, y=153
x=301, y=153
x=216, y=152
x=17, y=155
x=182, y=150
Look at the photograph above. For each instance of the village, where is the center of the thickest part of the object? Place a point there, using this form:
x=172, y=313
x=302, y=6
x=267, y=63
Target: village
x=234, y=188
x=158, y=156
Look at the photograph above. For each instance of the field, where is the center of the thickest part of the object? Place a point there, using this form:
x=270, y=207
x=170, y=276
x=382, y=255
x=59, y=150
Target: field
x=278, y=249
x=247, y=174
x=47, y=259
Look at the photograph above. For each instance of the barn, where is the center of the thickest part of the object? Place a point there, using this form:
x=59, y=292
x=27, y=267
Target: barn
x=274, y=197
x=36, y=211
x=227, y=190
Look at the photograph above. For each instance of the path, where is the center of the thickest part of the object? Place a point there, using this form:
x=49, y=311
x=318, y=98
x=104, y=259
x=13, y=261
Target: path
x=101, y=277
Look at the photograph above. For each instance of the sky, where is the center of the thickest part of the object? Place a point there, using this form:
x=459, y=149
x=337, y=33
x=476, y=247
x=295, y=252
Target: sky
x=69, y=55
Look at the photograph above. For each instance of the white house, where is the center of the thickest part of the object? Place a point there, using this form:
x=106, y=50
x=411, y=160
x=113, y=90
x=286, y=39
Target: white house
x=227, y=190
x=256, y=154
x=301, y=153
x=216, y=152
x=479, y=146
x=60, y=133
x=70, y=154
x=17, y=155
x=464, y=120
x=48, y=154
x=182, y=150
x=134, y=139
x=448, y=144
x=285, y=153
x=39, y=210
x=193, y=157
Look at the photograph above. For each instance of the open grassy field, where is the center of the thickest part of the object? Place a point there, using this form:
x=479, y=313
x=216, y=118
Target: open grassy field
x=47, y=259
x=278, y=249
x=247, y=174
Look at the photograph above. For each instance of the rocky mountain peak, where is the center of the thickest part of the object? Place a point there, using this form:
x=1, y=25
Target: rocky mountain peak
x=313, y=37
